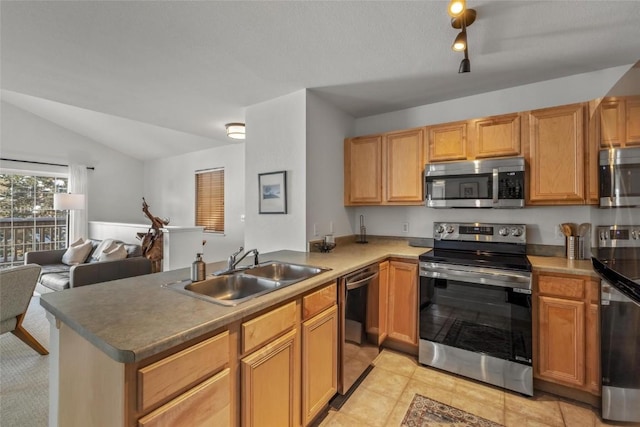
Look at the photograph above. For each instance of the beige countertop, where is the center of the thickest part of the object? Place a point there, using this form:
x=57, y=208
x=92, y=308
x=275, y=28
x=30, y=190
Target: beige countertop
x=135, y=318
x=562, y=265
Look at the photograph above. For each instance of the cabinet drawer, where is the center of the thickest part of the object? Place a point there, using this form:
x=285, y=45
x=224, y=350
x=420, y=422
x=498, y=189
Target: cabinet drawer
x=181, y=370
x=569, y=287
x=260, y=330
x=318, y=301
x=207, y=404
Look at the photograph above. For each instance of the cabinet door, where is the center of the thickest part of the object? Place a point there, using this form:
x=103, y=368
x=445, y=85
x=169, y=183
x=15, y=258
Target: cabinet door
x=633, y=121
x=205, y=405
x=612, y=122
x=447, y=142
x=363, y=170
x=383, y=301
x=592, y=325
x=497, y=136
x=270, y=384
x=403, y=166
x=377, y=300
x=319, y=362
x=593, y=348
x=561, y=340
x=403, y=302
x=556, y=155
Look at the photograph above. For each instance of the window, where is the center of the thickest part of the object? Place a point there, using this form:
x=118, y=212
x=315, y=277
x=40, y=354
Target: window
x=210, y=200
x=27, y=219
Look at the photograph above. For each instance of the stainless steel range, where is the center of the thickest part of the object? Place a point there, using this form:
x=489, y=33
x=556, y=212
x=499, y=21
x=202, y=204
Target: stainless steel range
x=475, y=304
x=617, y=261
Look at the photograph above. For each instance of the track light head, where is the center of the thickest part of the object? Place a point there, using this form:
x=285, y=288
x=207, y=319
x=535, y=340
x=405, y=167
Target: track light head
x=468, y=16
x=465, y=66
x=456, y=8
x=460, y=43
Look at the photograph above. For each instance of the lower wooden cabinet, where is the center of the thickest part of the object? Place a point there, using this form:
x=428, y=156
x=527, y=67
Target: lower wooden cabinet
x=403, y=307
x=566, y=331
x=270, y=384
x=205, y=405
x=292, y=374
x=319, y=362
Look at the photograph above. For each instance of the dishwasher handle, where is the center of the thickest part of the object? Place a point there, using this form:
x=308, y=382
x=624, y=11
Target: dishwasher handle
x=360, y=283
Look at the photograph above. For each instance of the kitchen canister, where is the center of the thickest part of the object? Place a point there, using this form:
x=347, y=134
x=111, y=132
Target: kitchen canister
x=573, y=247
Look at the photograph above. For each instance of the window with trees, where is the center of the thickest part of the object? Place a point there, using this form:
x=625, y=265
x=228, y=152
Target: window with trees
x=28, y=221
x=210, y=200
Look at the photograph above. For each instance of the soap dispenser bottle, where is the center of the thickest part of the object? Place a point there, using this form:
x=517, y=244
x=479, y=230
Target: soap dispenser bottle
x=198, y=269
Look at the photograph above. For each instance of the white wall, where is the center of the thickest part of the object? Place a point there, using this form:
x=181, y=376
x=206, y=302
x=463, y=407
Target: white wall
x=542, y=220
x=326, y=128
x=169, y=189
x=276, y=135
x=566, y=90
x=115, y=186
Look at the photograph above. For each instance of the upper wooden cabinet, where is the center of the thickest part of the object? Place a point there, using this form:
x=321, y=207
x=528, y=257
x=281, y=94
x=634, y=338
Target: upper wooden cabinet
x=363, y=170
x=496, y=136
x=447, y=142
x=384, y=169
x=556, y=155
x=619, y=120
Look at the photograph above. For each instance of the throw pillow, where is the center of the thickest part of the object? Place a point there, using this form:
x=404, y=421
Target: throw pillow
x=77, y=242
x=77, y=254
x=103, y=246
x=113, y=254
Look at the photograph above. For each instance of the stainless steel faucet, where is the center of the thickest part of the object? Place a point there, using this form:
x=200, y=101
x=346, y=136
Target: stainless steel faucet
x=232, y=263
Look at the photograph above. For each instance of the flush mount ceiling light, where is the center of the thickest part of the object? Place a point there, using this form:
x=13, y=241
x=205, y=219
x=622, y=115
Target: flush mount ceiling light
x=461, y=18
x=235, y=130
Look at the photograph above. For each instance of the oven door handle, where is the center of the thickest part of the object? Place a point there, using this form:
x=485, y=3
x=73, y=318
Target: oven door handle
x=485, y=278
x=362, y=282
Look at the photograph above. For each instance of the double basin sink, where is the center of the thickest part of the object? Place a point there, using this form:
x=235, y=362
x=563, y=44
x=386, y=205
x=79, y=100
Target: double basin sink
x=242, y=285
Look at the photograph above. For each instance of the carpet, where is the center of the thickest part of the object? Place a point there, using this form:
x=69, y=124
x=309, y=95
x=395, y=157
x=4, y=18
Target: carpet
x=24, y=374
x=425, y=412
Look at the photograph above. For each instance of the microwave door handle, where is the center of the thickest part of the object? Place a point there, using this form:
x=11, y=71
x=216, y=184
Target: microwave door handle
x=495, y=185
x=613, y=184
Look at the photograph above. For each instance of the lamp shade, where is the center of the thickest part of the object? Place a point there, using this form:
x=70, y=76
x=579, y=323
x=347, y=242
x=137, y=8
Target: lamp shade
x=67, y=202
x=235, y=130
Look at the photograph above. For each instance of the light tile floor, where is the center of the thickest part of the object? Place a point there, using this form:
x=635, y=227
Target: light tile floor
x=383, y=398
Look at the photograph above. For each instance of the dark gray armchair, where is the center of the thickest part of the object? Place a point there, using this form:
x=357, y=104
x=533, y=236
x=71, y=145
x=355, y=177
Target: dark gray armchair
x=16, y=288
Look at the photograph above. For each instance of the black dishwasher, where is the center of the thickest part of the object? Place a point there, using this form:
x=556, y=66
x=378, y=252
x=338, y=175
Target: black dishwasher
x=357, y=348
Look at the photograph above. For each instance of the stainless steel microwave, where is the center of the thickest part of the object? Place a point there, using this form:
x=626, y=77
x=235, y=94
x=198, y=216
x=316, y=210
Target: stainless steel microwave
x=491, y=183
x=619, y=177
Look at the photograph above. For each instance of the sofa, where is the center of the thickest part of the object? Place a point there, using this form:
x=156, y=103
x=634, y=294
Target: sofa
x=57, y=275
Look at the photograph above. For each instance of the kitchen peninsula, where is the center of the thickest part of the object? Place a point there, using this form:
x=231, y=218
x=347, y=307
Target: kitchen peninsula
x=110, y=341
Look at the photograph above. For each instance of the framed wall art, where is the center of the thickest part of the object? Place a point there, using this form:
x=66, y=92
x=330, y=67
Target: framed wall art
x=272, y=192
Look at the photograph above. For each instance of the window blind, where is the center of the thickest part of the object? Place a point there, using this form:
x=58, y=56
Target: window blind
x=210, y=200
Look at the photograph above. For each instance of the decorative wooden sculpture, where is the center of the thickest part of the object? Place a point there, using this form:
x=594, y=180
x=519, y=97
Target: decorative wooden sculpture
x=152, y=240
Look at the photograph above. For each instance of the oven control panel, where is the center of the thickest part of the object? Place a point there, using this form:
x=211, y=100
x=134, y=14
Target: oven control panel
x=612, y=236
x=478, y=232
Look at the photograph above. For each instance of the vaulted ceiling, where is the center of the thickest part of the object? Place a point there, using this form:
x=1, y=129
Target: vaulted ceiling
x=168, y=75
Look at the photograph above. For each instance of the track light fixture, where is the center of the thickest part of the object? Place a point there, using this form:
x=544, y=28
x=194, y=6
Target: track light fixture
x=461, y=18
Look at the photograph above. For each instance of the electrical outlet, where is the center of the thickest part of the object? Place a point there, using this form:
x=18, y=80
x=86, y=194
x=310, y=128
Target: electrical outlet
x=405, y=227
x=315, y=229
x=330, y=227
